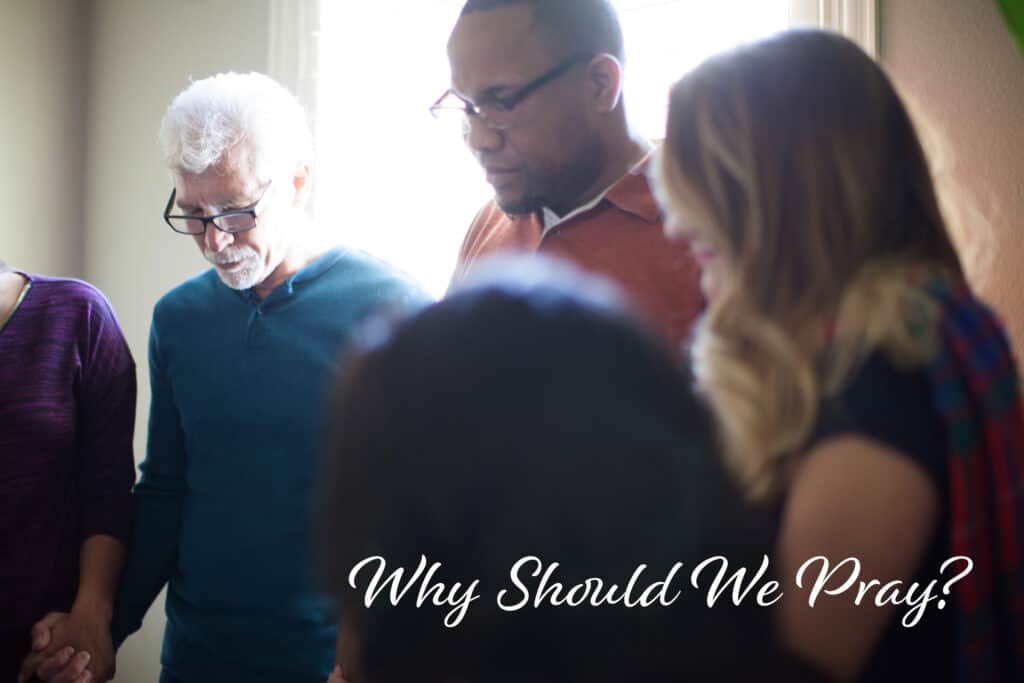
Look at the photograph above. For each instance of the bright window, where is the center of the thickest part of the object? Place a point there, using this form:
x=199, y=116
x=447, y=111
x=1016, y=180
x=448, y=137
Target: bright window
x=397, y=182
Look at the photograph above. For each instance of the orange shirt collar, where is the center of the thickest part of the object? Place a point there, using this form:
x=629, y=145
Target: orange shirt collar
x=632, y=193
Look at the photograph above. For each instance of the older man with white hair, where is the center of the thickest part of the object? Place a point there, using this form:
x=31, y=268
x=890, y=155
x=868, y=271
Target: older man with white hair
x=240, y=357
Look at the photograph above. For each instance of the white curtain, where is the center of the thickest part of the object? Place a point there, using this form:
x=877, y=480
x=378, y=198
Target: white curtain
x=855, y=19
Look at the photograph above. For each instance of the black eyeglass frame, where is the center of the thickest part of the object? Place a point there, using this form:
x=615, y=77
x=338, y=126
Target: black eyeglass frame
x=252, y=210
x=508, y=102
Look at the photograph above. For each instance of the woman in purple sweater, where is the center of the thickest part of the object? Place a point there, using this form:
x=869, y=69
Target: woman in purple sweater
x=67, y=413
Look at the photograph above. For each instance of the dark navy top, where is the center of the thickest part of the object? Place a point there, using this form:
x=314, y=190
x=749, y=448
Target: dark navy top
x=895, y=407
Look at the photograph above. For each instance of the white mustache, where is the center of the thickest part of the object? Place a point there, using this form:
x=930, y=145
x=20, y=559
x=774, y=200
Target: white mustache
x=228, y=255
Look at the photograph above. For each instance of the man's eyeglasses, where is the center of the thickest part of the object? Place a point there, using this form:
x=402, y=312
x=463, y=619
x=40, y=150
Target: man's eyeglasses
x=231, y=222
x=498, y=112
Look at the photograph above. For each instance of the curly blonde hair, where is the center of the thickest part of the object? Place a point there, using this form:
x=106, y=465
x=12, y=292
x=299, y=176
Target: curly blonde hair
x=796, y=160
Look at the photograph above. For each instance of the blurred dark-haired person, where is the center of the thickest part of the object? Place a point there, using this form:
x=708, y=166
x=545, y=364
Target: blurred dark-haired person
x=521, y=417
x=67, y=416
x=540, y=86
x=859, y=386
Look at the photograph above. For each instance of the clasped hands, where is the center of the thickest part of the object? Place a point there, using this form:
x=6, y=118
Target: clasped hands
x=73, y=647
x=77, y=648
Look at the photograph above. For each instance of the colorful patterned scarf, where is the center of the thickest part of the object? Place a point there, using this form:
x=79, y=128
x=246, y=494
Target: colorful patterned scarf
x=976, y=389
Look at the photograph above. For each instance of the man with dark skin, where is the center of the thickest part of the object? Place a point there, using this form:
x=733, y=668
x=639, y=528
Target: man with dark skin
x=540, y=86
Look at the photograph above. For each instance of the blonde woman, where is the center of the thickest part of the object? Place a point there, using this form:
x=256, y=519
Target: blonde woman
x=862, y=394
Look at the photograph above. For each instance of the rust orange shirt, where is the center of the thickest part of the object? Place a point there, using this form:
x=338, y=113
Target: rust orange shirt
x=621, y=238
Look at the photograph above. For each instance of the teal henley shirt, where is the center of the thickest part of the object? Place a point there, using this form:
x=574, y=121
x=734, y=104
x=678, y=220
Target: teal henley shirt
x=223, y=507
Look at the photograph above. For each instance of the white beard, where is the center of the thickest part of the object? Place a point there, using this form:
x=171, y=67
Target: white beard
x=249, y=273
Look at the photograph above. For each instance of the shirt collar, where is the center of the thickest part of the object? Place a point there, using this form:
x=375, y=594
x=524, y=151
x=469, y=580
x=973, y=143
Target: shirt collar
x=633, y=192
x=630, y=193
x=550, y=219
x=315, y=269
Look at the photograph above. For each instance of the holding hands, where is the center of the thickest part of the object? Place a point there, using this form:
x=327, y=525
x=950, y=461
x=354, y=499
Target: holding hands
x=70, y=648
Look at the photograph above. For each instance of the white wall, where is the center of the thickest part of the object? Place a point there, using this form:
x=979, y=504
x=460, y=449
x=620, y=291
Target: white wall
x=958, y=64
x=42, y=49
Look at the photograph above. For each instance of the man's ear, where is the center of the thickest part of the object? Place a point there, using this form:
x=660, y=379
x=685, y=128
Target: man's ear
x=604, y=74
x=302, y=181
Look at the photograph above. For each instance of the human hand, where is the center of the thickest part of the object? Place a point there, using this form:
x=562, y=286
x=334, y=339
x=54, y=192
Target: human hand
x=71, y=648
x=41, y=638
x=336, y=676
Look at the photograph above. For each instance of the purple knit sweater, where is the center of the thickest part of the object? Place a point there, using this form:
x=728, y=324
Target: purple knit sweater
x=67, y=413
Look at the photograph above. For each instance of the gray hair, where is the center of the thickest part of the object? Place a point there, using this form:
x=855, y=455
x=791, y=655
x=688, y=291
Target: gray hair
x=214, y=114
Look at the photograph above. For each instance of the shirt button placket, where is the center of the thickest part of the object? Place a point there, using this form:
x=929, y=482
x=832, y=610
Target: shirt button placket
x=255, y=333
